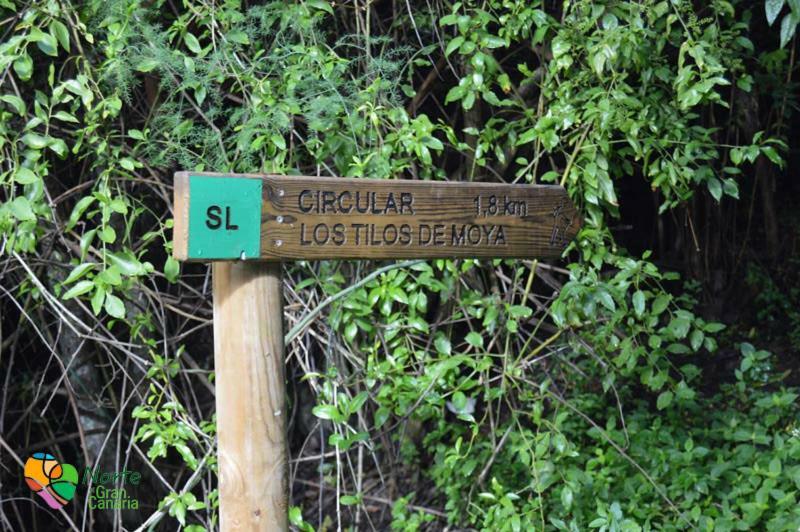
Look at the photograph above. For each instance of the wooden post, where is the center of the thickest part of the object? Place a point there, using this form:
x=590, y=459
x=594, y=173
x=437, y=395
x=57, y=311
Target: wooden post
x=249, y=353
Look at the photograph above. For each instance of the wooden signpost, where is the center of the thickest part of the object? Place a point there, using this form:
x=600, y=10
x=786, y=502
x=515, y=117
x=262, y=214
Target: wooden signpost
x=248, y=224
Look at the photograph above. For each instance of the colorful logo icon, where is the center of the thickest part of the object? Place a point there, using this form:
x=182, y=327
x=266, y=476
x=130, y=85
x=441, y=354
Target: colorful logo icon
x=51, y=480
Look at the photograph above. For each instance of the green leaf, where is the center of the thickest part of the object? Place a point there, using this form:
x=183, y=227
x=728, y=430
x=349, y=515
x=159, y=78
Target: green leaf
x=468, y=101
x=664, y=400
x=566, y=497
x=736, y=156
x=775, y=466
x=278, y=140
x=731, y=188
x=35, y=141
x=684, y=393
x=238, y=37
x=442, y=345
x=678, y=348
x=772, y=155
x=696, y=339
x=788, y=27
x=24, y=176
x=454, y=45
x=78, y=272
x=560, y=47
x=178, y=511
x=171, y=269
x=459, y=401
x=714, y=187
x=78, y=289
x=128, y=264
x=492, y=41
x=660, y=303
x=529, y=136
x=606, y=300
x=86, y=241
x=192, y=43
x=108, y=234
x=21, y=209
x=519, y=311
x=610, y=21
x=773, y=8
x=381, y=416
x=327, y=412
x=194, y=505
x=398, y=295
x=79, y=87
x=350, y=331
x=58, y=146
x=295, y=516
x=111, y=276
x=607, y=188
x=474, y=339
x=15, y=102
x=679, y=327
x=61, y=32
x=638, y=303
x=114, y=306
x=418, y=323
x=23, y=66
x=65, y=117
x=78, y=211
x=455, y=93
x=550, y=139
x=118, y=205
x=46, y=42
x=598, y=62
x=187, y=455
x=357, y=402
x=147, y=65
x=321, y=5
x=98, y=298
x=349, y=500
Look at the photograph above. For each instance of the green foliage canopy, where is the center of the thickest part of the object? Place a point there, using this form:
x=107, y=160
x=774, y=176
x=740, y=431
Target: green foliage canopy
x=581, y=409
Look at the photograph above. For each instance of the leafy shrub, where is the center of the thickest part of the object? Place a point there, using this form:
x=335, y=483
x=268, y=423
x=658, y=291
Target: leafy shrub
x=500, y=395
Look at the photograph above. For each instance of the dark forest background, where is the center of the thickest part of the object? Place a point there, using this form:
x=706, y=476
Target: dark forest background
x=648, y=380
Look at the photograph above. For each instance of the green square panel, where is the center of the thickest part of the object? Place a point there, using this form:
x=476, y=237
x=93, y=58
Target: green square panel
x=224, y=217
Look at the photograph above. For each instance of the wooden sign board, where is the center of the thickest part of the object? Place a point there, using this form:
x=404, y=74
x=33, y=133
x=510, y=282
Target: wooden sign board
x=274, y=218
x=258, y=218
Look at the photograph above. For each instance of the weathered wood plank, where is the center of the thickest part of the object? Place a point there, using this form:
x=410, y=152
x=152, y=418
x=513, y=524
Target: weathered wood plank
x=309, y=218
x=180, y=229
x=250, y=396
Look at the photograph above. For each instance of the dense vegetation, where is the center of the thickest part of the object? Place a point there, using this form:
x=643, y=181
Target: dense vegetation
x=647, y=381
